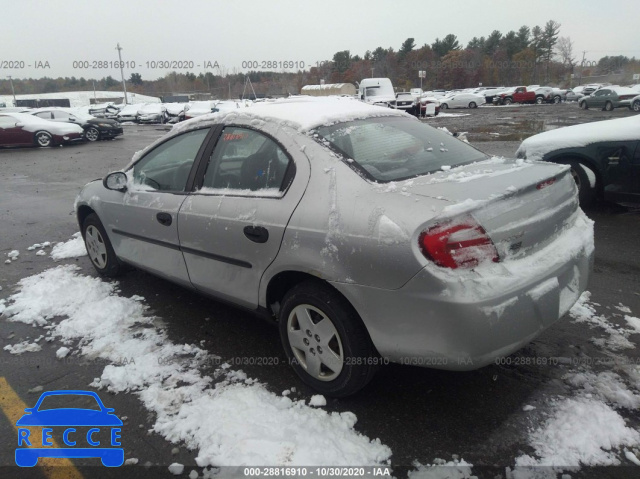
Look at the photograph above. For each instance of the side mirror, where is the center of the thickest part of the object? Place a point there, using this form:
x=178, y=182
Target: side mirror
x=116, y=181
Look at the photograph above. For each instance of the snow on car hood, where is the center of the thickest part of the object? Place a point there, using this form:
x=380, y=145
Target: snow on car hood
x=621, y=129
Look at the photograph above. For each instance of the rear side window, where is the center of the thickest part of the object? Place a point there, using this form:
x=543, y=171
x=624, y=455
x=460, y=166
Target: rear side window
x=392, y=148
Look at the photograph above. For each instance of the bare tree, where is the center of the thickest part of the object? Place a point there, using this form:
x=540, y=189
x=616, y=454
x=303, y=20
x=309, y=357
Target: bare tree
x=564, y=49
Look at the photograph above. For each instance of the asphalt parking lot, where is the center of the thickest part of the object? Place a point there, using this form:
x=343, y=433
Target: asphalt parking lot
x=421, y=414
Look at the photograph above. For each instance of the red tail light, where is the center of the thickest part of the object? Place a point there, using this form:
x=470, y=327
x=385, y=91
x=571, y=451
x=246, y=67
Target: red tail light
x=626, y=97
x=458, y=244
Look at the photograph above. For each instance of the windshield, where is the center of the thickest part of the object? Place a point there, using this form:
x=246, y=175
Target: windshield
x=396, y=148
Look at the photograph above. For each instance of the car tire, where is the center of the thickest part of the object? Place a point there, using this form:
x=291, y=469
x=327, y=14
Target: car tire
x=92, y=134
x=322, y=324
x=586, y=194
x=608, y=106
x=507, y=101
x=584, y=105
x=43, y=139
x=557, y=99
x=443, y=106
x=539, y=100
x=473, y=105
x=99, y=248
x=635, y=106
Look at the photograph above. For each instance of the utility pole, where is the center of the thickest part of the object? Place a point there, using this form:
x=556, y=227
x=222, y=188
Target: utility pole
x=584, y=52
x=95, y=100
x=13, y=91
x=124, y=86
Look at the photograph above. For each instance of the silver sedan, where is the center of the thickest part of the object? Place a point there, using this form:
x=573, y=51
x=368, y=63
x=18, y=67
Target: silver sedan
x=367, y=235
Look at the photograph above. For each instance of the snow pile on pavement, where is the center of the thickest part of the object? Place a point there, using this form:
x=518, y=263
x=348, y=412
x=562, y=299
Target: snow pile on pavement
x=607, y=386
x=583, y=312
x=441, y=469
x=23, y=347
x=70, y=249
x=234, y=422
x=581, y=432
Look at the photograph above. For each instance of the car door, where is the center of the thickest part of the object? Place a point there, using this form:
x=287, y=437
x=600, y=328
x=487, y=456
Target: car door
x=232, y=227
x=599, y=98
x=142, y=222
x=618, y=162
x=12, y=134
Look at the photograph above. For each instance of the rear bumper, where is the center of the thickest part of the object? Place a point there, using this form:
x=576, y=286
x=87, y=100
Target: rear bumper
x=466, y=323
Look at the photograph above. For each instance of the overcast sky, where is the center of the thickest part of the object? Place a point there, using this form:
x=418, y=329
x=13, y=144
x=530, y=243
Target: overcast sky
x=229, y=32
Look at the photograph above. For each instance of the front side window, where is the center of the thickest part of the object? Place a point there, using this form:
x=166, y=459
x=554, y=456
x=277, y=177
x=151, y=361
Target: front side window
x=245, y=161
x=167, y=167
x=396, y=148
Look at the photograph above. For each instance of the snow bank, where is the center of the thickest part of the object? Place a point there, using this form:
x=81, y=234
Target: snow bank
x=441, y=469
x=70, y=249
x=236, y=422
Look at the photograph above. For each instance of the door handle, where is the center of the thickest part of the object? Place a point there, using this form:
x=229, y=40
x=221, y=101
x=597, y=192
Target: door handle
x=257, y=234
x=164, y=219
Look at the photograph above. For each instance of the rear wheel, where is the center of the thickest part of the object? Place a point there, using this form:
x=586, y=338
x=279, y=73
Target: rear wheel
x=608, y=106
x=539, y=100
x=92, y=134
x=325, y=340
x=635, y=106
x=473, y=105
x=44, y=139
x=99, y=248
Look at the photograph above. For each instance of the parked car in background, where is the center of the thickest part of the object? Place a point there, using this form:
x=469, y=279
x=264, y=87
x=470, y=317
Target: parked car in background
x=608, y=98
x=575, y=94
x=377, y=91
x=175, y=112
x=604, y=157
x=491, y=92
x=520, y=94
x=129, y=113
x=104, y=110
x=461, y=100
x=198, y=108
x=94, y=128
x=153, y=113
x=23, y=129
x=416, y=93
x=406, y=101
x=429, y=106
x=319, y=190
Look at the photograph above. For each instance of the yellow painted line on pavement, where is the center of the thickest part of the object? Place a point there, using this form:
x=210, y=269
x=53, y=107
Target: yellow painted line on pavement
x=13, y=407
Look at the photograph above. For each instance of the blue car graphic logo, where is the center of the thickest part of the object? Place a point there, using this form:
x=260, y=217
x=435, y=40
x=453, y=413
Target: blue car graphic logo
x=94, y=427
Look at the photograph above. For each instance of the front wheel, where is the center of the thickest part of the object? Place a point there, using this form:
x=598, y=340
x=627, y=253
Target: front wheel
x=635, y=106
x=586, y=192
x=557, y=99
x=473, y=105
x=92, y=134
x=584, y=105
x=507, y=101
x=99, y=248
x=44, y=139
x=608, y=106
x=325, y=340
x=444, y=106
x=539, y=100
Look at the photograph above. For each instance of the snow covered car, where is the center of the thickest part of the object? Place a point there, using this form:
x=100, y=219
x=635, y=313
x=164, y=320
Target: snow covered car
x=23, y=129
x=175, y=112
x=368, y=235
x=608, y=98
x=94, y=128
x=604, y=157
x=461, y=100
x=429, y=106
x=152, y=113
x=198, y=108
x=575, y=94
x=129, y=113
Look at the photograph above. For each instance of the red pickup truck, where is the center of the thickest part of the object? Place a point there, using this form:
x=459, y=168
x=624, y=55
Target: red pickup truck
x=519, y=95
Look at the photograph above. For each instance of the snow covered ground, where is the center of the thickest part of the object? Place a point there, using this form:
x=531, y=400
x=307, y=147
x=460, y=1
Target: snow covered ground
x=230, y=419
x=81, y=98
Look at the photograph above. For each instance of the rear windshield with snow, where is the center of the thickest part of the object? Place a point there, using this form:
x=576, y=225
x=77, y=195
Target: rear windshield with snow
x=395, y=148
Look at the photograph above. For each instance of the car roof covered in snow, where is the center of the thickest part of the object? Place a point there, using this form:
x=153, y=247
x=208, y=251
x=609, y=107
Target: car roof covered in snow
x=621, y=129
x=301, y=113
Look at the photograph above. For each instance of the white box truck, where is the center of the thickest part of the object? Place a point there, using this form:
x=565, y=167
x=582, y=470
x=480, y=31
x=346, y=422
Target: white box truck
x=377, y=91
